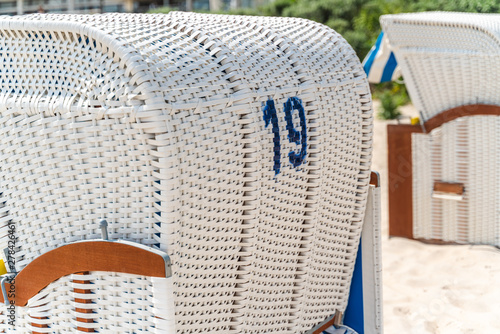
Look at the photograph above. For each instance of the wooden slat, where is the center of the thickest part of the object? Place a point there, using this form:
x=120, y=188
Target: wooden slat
x=400, y=179
x=449, y=187
x=35, y=325
x=83, y=301
x=324, y=327
x=336, y=320
x=85, y=256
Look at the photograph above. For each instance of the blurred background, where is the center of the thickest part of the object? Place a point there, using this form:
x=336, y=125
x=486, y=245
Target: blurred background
x=356, y=20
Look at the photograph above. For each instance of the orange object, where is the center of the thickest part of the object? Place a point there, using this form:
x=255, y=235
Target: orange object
x=86, y=256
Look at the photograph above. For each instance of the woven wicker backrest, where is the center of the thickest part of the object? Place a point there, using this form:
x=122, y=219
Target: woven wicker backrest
x=447, y=59
x=460, y=152
x=241, y=146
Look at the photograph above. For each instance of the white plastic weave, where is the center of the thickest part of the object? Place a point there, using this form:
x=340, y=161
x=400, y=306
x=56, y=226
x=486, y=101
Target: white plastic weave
x=371, y=240
x=156, y=123
x=447, y=59
x=465, y=151
x=117, y=303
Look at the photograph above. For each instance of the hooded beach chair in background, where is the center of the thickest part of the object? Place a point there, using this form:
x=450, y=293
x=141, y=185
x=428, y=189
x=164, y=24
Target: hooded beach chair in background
x=444, y=181
x=185, y=173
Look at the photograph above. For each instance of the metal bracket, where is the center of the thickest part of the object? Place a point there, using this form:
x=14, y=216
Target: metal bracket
x=4, y=290
x=103, y=224
x=375, y=179
x=422, y=121
x=168, y=266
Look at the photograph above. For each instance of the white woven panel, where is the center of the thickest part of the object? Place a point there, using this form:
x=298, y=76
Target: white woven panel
x=447, y=59
x=298, y=299
x=119, y=303
x=377, y=260
x=130, y=304
x=464, y=150
x=160, y=130
x=485, y=222
x=52, y=307
x=22, y=322
x=371, y=239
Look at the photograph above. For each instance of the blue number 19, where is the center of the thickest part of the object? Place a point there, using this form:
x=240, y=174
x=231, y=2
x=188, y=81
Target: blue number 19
x=294, y=136
x=270, y=116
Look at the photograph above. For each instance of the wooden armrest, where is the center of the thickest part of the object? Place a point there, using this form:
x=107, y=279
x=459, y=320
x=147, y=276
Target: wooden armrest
x=449, y=187
x=97, y=255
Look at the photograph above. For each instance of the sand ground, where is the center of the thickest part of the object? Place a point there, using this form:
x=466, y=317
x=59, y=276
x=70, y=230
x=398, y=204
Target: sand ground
x=434, y=288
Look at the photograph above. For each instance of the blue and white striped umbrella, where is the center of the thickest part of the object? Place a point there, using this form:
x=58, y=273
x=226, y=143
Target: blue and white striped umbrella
x=380, y=64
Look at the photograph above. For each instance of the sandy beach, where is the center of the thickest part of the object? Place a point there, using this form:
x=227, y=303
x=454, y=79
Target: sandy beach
x=434, y=288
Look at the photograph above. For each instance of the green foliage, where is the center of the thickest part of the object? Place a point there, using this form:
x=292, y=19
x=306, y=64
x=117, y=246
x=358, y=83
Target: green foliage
x=161, y=10
x=389, y=108
x=392, y=95
x=396, y=88
x=243, y=11
x=276, y=8
x=474, y=6
x=337, y=14
x=367, y=21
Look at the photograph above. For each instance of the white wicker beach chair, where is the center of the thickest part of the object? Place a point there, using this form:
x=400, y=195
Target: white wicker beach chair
x=229, y=156
x=445, y=183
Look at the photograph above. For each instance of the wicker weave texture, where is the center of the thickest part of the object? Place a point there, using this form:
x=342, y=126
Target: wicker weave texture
x=371, y=239
x=98, y=302
x=464, y=151
x=156, y=123
x=447, y=59
x=377, y=260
